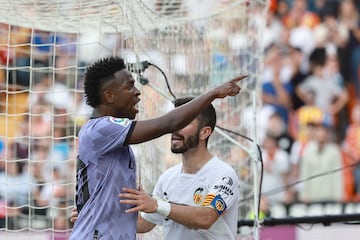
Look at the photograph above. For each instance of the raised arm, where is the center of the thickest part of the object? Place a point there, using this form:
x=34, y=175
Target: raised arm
x=181, y=116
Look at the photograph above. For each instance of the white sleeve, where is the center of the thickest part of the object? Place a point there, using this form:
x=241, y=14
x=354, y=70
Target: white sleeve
x=223, y=193
x=154, y=218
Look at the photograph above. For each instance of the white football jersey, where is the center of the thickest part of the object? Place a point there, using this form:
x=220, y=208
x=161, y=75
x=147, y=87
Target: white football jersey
x=215, y=185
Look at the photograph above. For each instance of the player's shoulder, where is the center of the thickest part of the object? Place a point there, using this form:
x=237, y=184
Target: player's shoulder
x=218, y=163
x=124, y=122
x=106, y=125
x=220, y=168
x=107, y=121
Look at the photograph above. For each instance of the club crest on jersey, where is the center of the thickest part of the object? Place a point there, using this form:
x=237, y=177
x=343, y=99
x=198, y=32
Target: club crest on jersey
x=198, y=196
x=218, y=204
x=120, y=121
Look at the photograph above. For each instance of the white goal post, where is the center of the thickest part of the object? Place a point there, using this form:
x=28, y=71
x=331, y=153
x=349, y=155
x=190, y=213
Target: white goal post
x=45, y=47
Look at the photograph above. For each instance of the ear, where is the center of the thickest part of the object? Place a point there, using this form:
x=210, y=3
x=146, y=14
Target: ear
x=108, y=96
x=205, y=132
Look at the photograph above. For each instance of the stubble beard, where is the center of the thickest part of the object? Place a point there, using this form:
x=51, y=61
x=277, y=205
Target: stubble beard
x=191, y=142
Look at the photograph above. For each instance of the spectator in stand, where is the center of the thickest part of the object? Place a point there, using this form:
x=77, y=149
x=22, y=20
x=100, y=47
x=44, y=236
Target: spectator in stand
x=305, y=115
x=333, y=35
x=330, y=32
x=276, y=169
x=321, y=156
x=40, y=120
x=43, y=42
x=300, y=15
x=276, y=127
x=351, y=149
x=38, y=158
x=276, y=86
x=16, y=185
x=54, y=190
x=273, y=29
x=349, y=17
x=296, y=153
x=20, y=56
x=305, y=119
x=332, y=72
x=282, y=9
x=298, y=76
x=320, y=7
x=59, y=153
x=301, y=23
x=328, y=95
x=332, y=69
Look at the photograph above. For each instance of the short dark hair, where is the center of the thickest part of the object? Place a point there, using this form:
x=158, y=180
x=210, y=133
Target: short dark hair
x=318, y=56
x=207, y=116
x=97, y=74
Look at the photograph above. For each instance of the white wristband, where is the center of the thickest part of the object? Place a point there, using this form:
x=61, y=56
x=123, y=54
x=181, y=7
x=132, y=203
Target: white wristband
x=163, y=208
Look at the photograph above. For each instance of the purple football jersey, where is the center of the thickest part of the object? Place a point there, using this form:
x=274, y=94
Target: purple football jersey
x=105, y=165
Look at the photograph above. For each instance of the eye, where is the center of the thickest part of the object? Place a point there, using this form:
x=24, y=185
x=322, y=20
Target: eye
x=130, y=86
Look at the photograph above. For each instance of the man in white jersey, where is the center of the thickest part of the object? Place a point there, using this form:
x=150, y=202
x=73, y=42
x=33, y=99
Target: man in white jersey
x=199, y=196
x=105, y=162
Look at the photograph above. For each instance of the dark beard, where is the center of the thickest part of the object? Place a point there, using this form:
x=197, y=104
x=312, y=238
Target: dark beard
x=191, y=142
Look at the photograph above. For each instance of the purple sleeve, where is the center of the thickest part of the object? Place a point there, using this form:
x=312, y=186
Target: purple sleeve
x=110, y=133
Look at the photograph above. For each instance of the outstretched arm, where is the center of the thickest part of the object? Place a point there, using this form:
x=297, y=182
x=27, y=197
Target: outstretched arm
x=183, y=115
x=190, y=216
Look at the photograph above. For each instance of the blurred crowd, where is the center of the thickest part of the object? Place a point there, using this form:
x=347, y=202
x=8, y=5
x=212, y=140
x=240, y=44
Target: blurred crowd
x=309, y=118
x=311, y=109
x=38, y=127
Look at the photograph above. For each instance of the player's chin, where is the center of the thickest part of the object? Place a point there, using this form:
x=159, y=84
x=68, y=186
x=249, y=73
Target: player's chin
x=133, y=114
x=177, y=149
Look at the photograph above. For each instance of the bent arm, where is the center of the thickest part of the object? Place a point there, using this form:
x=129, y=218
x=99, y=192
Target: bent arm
x=183, y=115
x=340, y=102
x=193, y=217
x=190, y=216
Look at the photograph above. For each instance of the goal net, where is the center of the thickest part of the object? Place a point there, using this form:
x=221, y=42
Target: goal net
x=45, y=47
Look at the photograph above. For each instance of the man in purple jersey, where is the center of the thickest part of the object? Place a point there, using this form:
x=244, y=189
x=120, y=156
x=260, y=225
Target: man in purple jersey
x=105, y=163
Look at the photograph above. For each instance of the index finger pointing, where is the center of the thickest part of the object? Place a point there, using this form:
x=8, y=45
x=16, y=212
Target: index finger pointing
x=238, y=78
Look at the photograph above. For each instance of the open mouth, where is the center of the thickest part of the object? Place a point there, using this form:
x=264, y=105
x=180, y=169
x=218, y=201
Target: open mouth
x=176, y=138
x=136, y=105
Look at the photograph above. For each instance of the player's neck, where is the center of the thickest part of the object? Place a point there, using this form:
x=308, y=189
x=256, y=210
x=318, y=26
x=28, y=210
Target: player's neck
x=103, y=110
x=194, y=159
x=96, y=113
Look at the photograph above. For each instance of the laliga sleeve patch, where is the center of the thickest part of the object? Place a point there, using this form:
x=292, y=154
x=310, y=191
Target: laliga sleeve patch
x=120, y=121
x=216, y=203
